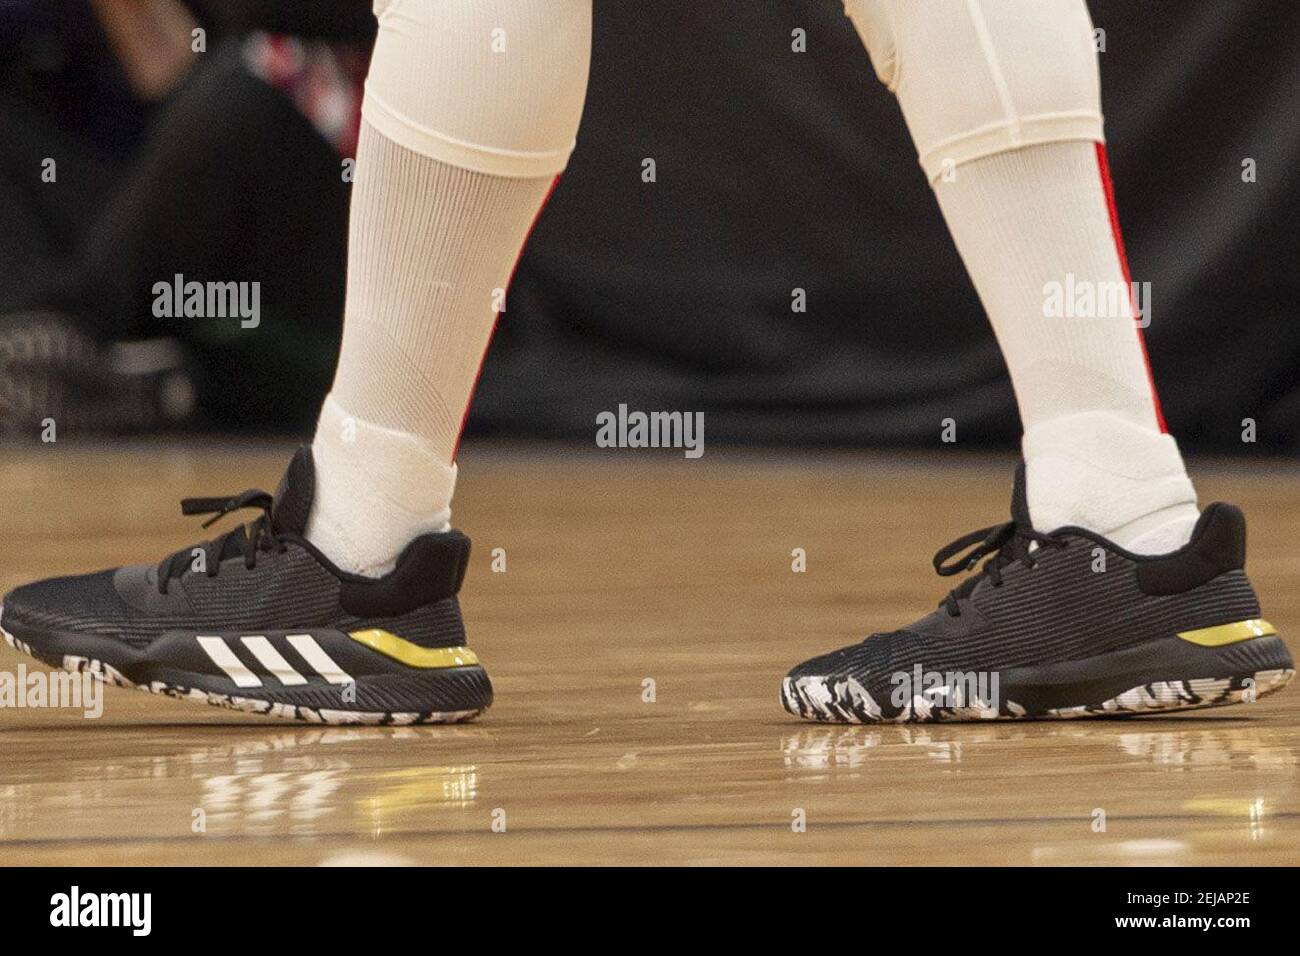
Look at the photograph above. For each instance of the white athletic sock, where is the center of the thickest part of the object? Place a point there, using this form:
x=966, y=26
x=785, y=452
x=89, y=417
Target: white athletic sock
x=430, y=252
x=1025, y=222
x=470, y=113
x=430, y=247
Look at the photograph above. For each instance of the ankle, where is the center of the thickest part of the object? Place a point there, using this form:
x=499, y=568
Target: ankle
x=376, y=489
x=1103, y=472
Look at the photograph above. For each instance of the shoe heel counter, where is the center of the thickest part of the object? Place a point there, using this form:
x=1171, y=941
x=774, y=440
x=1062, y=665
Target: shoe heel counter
x=1218, y=546
x=430, y=570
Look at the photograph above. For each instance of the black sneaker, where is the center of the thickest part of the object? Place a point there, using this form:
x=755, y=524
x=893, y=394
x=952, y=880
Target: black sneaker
x=1066, y=624
x=259, y=620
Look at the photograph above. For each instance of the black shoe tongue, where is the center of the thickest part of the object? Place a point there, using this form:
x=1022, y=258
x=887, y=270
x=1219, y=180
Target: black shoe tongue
x=294, y=496
x=1020, y=499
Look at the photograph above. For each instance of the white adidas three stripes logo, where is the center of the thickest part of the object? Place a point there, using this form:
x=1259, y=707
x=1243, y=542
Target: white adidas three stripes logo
x=272, y=660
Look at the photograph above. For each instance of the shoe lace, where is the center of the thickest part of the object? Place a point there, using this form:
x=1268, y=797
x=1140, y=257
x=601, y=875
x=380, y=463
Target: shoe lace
x=1007, y=542
x=257, y=536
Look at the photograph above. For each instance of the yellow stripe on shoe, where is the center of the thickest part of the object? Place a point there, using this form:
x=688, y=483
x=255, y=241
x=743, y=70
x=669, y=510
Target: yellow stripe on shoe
x=413, y=655
x=1232, y=633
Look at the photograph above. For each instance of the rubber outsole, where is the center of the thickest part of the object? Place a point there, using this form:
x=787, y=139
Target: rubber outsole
x=460, y=693
x=1157, y=677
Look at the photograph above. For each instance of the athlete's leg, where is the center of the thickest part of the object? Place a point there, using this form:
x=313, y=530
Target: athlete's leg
x=470, y=113
x=1003, y=101
x=1105, y=593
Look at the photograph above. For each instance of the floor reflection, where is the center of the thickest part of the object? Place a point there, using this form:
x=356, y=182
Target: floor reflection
x=322, y=780
x=852, y=748
x=1164, y=793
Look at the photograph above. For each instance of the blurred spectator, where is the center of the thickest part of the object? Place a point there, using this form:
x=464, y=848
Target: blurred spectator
x=250, y=132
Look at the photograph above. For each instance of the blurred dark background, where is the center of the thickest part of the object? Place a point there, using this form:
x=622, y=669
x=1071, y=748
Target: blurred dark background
x=776, y=170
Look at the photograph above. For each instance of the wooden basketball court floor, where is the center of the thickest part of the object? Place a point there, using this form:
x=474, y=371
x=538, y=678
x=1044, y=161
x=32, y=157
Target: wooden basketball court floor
x=622, y=568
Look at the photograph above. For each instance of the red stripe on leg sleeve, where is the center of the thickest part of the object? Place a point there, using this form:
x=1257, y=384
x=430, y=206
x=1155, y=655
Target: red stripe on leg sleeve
x=496, y=318
x=1103, y=164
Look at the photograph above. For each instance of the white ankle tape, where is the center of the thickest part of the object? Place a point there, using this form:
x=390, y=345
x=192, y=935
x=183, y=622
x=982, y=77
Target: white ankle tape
x=376, y=489
x=1100, y=471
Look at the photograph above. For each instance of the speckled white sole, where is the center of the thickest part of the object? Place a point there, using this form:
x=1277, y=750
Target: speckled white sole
x=845, y=701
